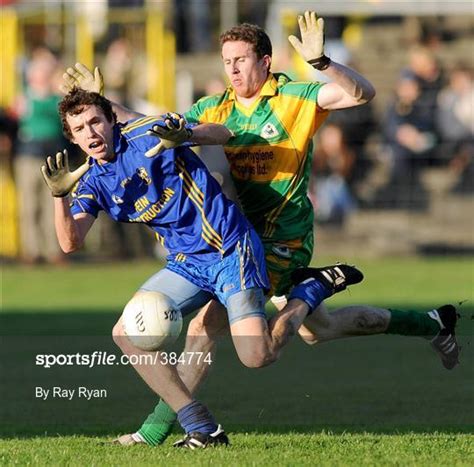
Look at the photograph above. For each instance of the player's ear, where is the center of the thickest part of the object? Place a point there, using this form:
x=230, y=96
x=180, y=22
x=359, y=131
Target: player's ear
x=267, y=61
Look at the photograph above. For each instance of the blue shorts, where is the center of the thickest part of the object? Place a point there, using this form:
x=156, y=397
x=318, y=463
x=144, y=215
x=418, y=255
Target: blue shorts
x=239, y=281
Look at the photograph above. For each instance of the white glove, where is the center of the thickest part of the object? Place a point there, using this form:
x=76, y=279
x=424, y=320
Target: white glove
x=311, y=46
x=172, y=134
x=81, y=77
x=57, y=176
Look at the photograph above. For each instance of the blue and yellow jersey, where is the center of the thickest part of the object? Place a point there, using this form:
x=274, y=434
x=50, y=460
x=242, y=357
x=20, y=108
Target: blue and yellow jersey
x=270, y=155
x=172, y=193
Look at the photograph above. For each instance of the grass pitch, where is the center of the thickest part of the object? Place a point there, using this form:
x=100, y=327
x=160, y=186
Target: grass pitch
x=374, y=400
x=289, y=449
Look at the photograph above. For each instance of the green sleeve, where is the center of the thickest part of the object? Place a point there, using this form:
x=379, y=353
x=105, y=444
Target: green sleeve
x=196, y=112
x=193, y=115
x=304, y=90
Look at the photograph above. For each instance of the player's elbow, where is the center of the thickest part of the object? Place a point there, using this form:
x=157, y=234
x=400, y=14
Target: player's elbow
x=69, y=243
x=69, y=247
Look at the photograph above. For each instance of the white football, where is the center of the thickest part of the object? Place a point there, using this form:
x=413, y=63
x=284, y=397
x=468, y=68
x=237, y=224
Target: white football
x=152, y=321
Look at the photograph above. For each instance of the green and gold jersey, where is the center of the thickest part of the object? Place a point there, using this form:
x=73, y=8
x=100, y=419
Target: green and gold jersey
x=270, y=154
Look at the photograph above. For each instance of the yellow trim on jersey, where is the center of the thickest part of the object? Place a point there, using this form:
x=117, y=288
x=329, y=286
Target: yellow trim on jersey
x=274, y=213
x=270, y=86
x=195, y=194
x=208, y=233
x=286, y=109
x=160, y=239
x=247, y=111
x=268, y=89
x=191, y=182
x=216, y=114
x=137, y=124
x=87, y=196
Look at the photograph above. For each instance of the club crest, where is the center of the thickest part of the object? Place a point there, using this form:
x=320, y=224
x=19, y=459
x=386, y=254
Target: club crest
x=269, y=131
x=143, y=174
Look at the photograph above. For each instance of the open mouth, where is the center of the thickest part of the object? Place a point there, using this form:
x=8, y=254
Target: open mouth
x=95, y=145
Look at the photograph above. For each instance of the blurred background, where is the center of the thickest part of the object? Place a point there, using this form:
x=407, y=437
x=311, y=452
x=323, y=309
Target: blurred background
x=394, y=177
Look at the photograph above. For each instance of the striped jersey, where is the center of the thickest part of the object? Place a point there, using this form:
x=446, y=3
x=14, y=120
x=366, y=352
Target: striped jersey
x=172, y=193
x=270, y=155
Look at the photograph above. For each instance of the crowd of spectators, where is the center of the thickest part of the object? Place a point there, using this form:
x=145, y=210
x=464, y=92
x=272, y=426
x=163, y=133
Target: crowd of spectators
x=428, y=123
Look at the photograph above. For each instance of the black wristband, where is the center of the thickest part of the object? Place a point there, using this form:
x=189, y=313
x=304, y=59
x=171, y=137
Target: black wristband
x=320, y=63
x=60, y=196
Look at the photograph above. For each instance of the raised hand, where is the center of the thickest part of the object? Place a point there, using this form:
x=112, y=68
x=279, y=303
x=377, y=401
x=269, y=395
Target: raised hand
x=57, y=176
x=311, y=46
x=172, y=132
x=81, y=77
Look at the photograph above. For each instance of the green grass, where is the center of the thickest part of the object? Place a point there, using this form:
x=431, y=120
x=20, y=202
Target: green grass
x=388, y=282
x=287, y=449
x=375, y=400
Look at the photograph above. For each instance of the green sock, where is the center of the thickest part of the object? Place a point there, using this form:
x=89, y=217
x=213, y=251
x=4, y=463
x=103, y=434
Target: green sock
x=412, y=323
x=158, y=425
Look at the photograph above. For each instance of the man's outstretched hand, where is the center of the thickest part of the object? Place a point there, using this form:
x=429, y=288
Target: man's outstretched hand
x=172, y=132
x=80, y=76
x=311, y=46
x=57, y=176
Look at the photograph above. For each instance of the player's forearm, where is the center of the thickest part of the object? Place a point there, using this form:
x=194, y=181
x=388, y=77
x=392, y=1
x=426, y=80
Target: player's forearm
x=211, y=133
x=68, y=232
x=353, y=83
x=124, y=114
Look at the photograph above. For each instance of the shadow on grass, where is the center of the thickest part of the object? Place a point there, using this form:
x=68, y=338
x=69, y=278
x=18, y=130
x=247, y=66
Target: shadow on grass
x=379, y=384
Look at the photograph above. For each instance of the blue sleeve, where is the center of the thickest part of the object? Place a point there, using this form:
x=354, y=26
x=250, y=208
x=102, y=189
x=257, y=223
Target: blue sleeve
x=84, y=200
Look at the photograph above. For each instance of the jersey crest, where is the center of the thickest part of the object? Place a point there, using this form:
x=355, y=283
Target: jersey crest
x=143, y=174
x=269, y=131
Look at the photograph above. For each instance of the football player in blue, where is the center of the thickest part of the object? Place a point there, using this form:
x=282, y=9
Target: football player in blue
x=213, y=250
x=350, y=321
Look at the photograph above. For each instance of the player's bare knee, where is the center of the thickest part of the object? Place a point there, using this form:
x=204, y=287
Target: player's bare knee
x=196, y=326
x=118, y=333
x=215, y=323
x=257, y=359
x=203, y=325
x=210, y=321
